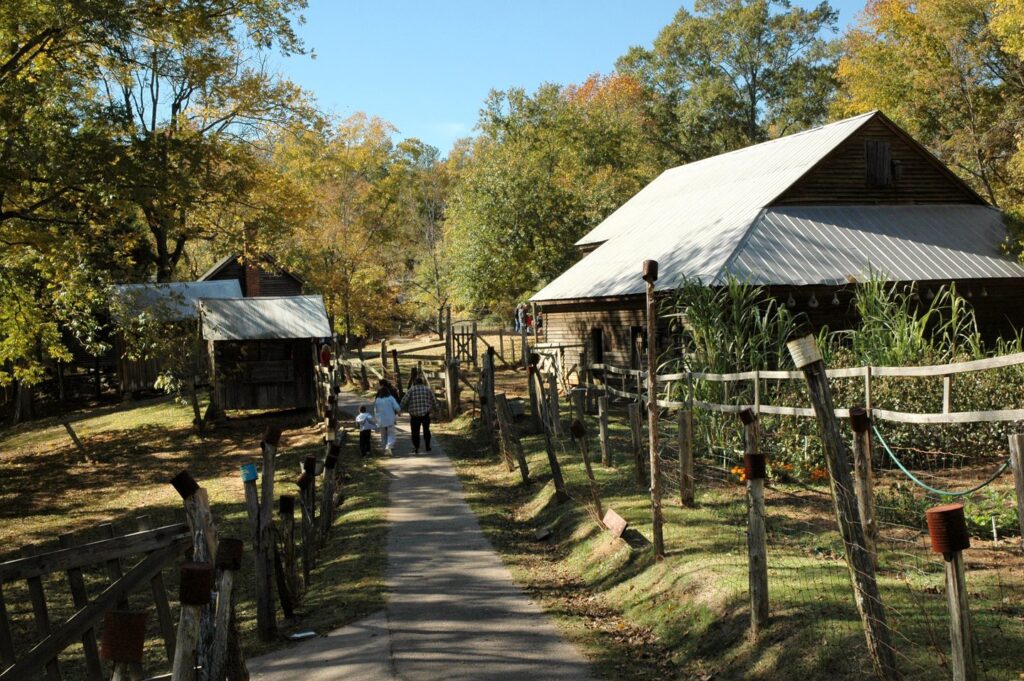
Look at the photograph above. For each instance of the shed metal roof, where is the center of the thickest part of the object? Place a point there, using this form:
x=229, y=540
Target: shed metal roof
x=803, y=245
x=713, y=218
x=266, y=318
x=174, y=301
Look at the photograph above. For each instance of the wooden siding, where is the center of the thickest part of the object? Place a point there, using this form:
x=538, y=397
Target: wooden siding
x=842, y=176
x=271, y=283
x=269, y=374
x=998, y=306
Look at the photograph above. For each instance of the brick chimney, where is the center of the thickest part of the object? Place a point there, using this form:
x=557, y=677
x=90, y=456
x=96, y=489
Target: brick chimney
x=252, y=280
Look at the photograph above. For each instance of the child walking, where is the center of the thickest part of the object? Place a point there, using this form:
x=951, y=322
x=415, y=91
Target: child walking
x=366, y=424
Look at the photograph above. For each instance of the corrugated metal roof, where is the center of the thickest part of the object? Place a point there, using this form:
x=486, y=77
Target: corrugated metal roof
x=173, y=301
x=264, y=318
x=801, y=245
x=696, y=219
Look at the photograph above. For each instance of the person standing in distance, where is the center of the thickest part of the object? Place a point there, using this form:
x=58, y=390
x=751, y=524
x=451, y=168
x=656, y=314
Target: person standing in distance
x=385, y=410
x=419, y=402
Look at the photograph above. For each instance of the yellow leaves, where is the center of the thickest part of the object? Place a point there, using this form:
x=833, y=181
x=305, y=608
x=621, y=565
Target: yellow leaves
x=1008, y=24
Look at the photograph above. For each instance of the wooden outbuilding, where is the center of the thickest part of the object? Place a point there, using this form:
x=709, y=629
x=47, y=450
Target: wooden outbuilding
x=262, y=351
x=174, y=305
x=805, y=216
x=262, y=277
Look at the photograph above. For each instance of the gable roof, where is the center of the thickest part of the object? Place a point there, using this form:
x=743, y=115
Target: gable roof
x=268, y=318
x=174, y=301
x=227, y=260
x=696, y=220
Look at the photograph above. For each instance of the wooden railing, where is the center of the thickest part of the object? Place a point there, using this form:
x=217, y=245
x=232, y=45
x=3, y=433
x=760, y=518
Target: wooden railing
x=633, y=384
x=160, y=547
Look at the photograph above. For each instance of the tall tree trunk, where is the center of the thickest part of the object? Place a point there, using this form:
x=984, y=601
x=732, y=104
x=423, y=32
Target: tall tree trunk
x=22, y=403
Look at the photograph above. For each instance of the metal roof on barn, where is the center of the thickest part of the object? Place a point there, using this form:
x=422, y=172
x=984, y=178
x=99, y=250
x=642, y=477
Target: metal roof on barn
x=173, y=301
x=264, y=318
x=713, y=219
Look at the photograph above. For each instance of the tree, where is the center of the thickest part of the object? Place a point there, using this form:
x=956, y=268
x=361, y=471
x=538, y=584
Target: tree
x=734, y=73
x=545, y=169
x=951, y=73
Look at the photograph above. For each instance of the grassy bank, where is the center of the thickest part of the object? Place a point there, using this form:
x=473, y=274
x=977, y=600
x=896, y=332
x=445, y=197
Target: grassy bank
x=687, y=616
x=50, y=489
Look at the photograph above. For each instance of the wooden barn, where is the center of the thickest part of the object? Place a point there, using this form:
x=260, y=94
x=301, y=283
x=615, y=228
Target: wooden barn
x=262, y=278
x=174, y=304
x=804, y=216
x=262, y=351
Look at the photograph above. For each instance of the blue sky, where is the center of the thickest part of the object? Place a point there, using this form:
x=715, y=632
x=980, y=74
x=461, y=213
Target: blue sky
x=426, y=66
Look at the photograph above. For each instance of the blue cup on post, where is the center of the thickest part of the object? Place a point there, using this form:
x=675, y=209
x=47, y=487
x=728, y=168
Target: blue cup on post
x=249, y=473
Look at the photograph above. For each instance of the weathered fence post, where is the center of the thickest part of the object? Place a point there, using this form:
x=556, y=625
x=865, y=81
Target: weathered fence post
x=271, y=438
x=579, y=433
x=1017, y=463
x=487, y=404
x=398, y=374
x=228, y=562
x=264, y=612
x=448, y=340
x=554, y=417
x=194, y=594
x=947, y=529
x=327, y=502
x=579, y=404
x=685, y=443
x=525, y=347
x=650, y=275
x=863, y=479
x=807, y=358
x=635, y=431
x=755, y=470
x=475, y=348
x=549, y=447
x=304, y=483
x=286, y=509
x=510, y=437
x=535, y=413
x=602, y=430
x=384, y=357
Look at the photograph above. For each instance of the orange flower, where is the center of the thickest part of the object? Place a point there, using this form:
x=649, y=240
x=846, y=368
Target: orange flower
x=819, y=474
x=738, y=472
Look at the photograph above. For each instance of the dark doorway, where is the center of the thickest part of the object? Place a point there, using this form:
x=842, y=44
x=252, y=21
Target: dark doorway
x=597, y=345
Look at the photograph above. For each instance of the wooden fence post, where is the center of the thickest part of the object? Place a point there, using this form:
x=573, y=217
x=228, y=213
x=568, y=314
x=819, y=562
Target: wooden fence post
x=384, y=357
x=487, y=404
x=327, y=502
x=535, y=412
x=271, y=438
x=579, y=404
x=947, y=529
x=524, y=340
x=398, y=374
x=685, y=442
x=554, y=417
x=474, y=347
x=228, y=562
x=807, y=358
x=448, y=340
x=650, y=276
x=195, y=589
x=556, y=469
x=286, y=509
x=160, y=600
x=1017, y=463
x=510, y=436
x=602, y=426
x=264, y=613
x=863, y=479
x=579, y=434
x=635, y=430
x=755, y=470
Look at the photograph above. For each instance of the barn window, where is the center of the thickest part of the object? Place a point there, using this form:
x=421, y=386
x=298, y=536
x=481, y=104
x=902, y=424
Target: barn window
x=597, y=345
x=878, y=163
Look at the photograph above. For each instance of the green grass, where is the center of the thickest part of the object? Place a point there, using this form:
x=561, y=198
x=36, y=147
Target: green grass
x=135, y=449
x=687, y=616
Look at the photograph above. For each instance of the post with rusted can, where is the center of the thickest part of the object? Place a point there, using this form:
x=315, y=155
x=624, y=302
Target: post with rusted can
x=228, y=562
x=196, y=587
x=947, y=529
x=650, y=276
x=807, y=359
x=124, y=637
x=755, y=470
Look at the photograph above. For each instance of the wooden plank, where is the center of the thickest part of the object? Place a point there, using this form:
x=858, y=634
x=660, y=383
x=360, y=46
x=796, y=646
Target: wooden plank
x=80, y=597
x=113, y=564
x=685, y=444
x=993, y=416
x=87, y=617
x=961, y=641
x=602, y=424
x=615, y=523
x=6, y=640
x=955, y=368
x=1017, y=463
x=163, y=606
x=42, y=620
x=92, y=553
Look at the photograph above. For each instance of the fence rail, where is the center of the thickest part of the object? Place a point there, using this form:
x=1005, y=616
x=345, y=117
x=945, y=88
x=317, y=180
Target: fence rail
x=865, y=373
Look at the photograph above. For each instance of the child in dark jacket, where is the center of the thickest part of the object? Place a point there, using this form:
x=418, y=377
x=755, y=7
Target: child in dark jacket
x=366, y=424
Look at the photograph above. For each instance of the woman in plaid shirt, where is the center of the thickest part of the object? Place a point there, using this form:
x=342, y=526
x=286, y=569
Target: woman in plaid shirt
x=418, y=403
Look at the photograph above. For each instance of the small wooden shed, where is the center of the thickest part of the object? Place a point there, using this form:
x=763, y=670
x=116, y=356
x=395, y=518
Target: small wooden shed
x=174, y=304
x=262, y=351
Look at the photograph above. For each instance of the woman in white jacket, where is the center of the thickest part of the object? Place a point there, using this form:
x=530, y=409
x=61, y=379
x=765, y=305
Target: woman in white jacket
x=385, y=411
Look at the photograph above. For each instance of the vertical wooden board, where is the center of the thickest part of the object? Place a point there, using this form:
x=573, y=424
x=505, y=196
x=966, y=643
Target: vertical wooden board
x=80, y=597
x=961, y=641
x=160, y=601
x=6, y=640
x=602, y=424
x=113, y=565
x=42, y=620
x=1017, y=463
